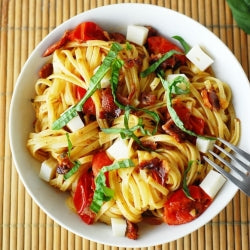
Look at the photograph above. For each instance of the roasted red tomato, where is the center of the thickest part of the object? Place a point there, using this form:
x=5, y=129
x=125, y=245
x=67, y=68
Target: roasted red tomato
x=190, y=121
x=87, y=31
x=83, y=197
x=83, y=32
x=89, y=106
x=160, y=45
x=101, y=159
x=180, y=209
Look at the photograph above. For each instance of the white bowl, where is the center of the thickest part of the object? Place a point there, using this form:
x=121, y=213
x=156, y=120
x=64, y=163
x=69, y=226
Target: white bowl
x=116, y=18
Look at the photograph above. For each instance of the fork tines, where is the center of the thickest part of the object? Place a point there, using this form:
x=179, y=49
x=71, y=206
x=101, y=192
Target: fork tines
x=241, y=178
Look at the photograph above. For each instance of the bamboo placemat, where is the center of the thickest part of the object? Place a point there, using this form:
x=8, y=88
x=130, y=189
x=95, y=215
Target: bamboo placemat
x=22, y=224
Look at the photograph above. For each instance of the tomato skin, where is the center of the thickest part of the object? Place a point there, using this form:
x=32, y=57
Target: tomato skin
x=87, y=31
x=160, y=45
x=89, y=106
x=178, y=208
x=83, y=197
x=190, y=121
x=100, y=159
x=83, y=32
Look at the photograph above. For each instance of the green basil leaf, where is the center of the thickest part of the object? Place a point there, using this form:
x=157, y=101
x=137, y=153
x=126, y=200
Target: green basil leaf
x=180, y=85
x=152, y=68
x=103, y=193
x=185, y=186
x=73, y=170
x=184, y=44
x=241, y=13
x=70, y=146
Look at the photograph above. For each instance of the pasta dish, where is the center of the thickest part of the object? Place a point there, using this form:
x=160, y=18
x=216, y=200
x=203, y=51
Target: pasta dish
x=117, y=124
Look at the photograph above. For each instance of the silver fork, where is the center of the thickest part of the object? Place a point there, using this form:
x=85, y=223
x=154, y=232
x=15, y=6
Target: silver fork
x=241, y=178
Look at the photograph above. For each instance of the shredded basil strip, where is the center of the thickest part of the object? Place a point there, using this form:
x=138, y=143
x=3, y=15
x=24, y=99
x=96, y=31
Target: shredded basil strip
x=76, y=164
x=127, y=132
x=173, y=88
x=103, y=193
x=185, y=186
x=70, y=146
x=93, y=85
x=73, y=170
x=115, y=69
x=184, y=44
x=128, y=46
x=152, y=68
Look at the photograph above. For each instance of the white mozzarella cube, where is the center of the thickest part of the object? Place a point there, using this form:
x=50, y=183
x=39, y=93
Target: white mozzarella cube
x=75, y=124
x=204, y=145
x=212, y=183
x=48, y=169
x=119, y=149
x=137, y=34
x=119, y=226
x=199, y=58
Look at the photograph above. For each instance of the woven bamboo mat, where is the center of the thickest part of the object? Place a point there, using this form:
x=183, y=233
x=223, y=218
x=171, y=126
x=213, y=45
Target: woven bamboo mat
x=22, y=224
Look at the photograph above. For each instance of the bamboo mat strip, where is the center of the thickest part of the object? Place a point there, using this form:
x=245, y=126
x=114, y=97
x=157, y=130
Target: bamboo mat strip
x=22, y=224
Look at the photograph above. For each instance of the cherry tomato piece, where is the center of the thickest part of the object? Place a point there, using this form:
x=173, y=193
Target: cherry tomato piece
x=180, y=209
x=83, y=197
x=190, y=121
x=83, y=32
x=100, y=159
x=160, y=45
x=87, y=31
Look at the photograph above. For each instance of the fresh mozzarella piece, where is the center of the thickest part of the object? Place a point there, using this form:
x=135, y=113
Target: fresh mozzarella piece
x=171, y=77
x=137, y=34
x=75, y=123
x=204, y=145
x=119, y=149
x=119, y=226
x=105, y=81
x=48, y=169
x=212, y=183
x=199, y=58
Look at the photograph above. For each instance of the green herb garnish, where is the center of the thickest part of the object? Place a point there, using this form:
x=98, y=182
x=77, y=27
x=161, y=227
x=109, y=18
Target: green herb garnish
x=153, y=67
x=128, y=46
x=115, y=69
x=103, y=193
x=185, y=186
x=93, y=85
x=241, y=13
x=184, y=44
x=76, y=164
x=70, y=146
x=73, y=170
x=129, y=132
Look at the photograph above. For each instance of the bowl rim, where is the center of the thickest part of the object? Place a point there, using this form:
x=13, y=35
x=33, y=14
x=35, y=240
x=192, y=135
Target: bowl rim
x=58, y=31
